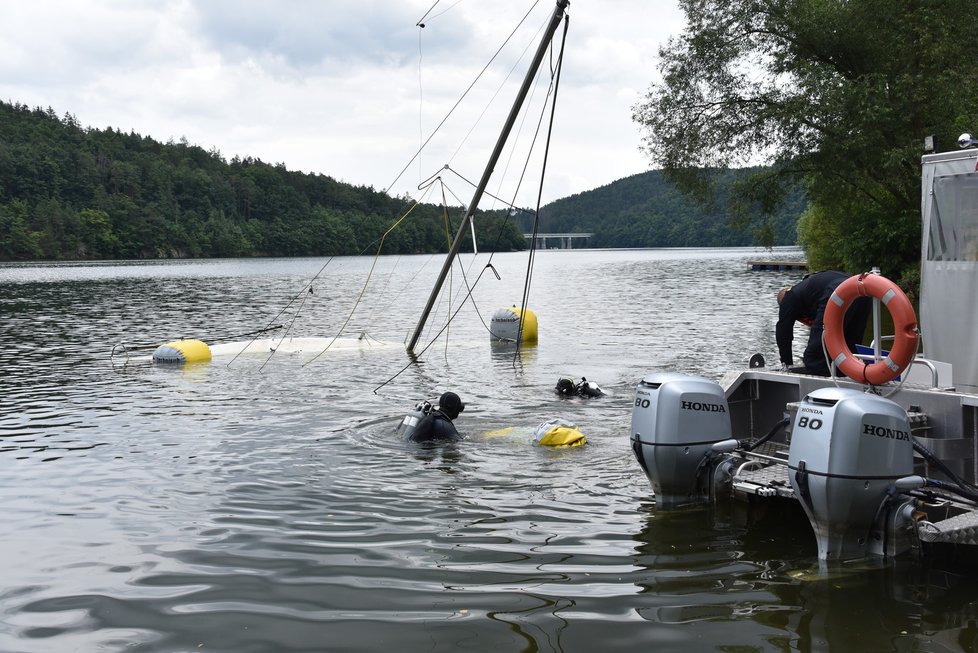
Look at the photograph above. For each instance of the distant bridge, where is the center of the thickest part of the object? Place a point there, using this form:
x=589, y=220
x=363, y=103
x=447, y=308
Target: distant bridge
x=561, y=240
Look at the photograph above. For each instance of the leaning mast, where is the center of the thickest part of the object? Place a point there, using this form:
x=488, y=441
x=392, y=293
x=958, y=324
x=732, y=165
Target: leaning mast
x=490, y=166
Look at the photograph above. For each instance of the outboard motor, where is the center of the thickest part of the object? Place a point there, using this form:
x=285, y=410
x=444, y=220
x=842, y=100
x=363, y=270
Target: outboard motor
x=847, y=449
x=676, y=420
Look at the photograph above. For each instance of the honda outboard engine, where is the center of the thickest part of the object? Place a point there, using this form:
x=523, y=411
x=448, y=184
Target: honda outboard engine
x=675, y=421
x=847, y=449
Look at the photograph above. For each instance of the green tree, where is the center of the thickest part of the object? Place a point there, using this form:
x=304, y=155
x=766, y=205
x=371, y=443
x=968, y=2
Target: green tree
x=838, y=93
x=16, y=240
x=69, y=192
x=98, y=239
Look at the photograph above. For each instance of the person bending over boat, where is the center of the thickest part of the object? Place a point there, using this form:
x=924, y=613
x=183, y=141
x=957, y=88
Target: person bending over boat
x=805, y=302
x=435, y=424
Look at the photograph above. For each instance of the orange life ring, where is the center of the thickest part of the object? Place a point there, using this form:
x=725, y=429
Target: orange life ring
x=904, y=323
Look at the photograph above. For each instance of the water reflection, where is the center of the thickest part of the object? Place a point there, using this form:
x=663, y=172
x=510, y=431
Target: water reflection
x=767, y=574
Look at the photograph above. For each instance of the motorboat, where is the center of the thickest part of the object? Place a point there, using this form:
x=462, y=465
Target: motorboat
x=882, y=455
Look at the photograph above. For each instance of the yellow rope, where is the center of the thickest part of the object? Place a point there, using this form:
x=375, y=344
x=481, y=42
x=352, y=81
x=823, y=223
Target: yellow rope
x=363, y=290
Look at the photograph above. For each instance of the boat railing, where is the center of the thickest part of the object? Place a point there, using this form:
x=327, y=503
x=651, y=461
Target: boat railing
x=879, y=352
x=935, y=375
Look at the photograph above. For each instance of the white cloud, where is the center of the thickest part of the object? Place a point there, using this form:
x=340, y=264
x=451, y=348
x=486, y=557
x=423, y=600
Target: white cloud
x=342, y=88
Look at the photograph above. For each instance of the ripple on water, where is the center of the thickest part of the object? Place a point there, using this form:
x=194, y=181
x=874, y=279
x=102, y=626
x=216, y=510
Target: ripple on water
x=262, y=504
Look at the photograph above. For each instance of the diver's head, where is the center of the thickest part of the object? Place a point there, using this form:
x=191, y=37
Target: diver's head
x=566, y=386
x=450, y=404
x=781, y=294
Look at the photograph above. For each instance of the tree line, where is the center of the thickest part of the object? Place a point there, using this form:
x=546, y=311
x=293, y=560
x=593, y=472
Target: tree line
x=647, y=210
x=836, y=98
x=837, y=95
x=74, y=193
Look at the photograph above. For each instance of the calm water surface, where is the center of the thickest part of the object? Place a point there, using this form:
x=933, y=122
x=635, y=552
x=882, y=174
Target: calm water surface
x=260, y=503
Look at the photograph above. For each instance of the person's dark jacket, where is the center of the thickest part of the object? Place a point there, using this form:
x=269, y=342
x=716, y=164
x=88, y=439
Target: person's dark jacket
x=805, y=302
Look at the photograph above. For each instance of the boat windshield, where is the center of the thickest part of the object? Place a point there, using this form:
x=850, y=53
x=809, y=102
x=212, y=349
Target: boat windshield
x=954, y=219
x=949, y=265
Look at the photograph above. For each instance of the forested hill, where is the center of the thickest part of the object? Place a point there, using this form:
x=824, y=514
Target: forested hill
x=67, y=192
x=645, y=210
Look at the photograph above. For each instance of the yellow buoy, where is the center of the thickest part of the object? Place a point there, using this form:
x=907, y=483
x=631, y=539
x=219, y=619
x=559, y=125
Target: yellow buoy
x=559, y=434
x=506, y=430
x=182, y=351
x=505, y=325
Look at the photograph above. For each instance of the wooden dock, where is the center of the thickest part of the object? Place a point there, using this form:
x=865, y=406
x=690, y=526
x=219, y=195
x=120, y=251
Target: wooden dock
x=778, y=265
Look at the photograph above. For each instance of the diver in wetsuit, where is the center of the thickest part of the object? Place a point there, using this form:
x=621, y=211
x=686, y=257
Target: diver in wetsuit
x=436, y=425
x=567, y=388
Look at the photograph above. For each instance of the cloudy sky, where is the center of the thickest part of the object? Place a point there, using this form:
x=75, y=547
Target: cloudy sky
x=348, y=88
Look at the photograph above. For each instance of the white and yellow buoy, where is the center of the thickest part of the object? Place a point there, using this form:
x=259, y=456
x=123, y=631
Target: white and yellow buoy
x=559, y=434
x=182, y=351
x=505, y=325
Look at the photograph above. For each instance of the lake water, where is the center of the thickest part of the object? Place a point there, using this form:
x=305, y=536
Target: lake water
x=261, y=503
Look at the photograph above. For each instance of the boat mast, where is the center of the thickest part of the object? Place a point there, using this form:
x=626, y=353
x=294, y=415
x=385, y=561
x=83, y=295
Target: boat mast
x=497, y=151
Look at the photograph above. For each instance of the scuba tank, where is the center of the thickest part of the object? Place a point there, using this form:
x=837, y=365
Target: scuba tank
x=589, y=388
x=409, y=423
x=427, y=423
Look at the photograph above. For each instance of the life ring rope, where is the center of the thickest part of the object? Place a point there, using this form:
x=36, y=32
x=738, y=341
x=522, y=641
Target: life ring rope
x=905, y=337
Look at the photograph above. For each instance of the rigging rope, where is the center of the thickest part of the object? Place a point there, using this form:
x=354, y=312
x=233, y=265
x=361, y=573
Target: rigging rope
x=499, y=89
x=448, y=242
x=420, y=22
x=295, y=316
x=459, y=101
x=468, y=296
x=543, y=172
x=552, y=93
x=499, y=233
x=363, y=290
x=415, y=357
x=383, y=291
x=291, y=301
x=471, y=183
x=401, y=291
